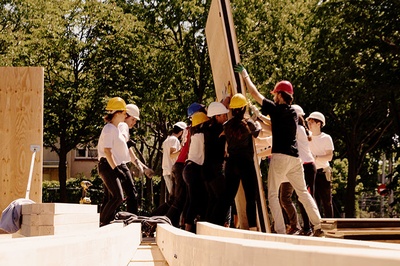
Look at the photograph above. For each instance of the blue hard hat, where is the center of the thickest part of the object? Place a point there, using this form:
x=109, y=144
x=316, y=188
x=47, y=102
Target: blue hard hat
x=193, y=108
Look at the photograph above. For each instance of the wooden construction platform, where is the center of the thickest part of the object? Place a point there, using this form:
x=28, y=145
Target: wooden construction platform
x=379, y=229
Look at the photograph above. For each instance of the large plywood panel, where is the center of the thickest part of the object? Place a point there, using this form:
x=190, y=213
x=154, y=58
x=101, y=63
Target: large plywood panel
x=21, y=113
x=224, y=54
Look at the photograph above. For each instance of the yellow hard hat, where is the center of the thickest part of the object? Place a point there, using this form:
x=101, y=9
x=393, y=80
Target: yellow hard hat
x=238, y=101
x=116, y=104
x=199, y=118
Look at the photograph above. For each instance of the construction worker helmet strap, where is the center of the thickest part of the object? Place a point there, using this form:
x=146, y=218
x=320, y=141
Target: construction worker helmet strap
x=298, y=109
x=283, y=85
x=238, y=101
x=116, y=104
x=216, y=108
x=133, y=110
x=193, y=108
x=199, y=118
x=317, y=116
x=181, y=125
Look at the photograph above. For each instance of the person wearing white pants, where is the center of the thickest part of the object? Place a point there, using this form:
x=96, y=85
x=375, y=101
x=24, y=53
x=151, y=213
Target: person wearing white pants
x=285, y=161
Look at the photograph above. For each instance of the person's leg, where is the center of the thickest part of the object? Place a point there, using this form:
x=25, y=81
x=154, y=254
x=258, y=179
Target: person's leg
x=326, y=196
x=249, y=179
x=277, y=169
x=169, y=183
x=296, y=178
x=309, y=175
x=285, y=197
x=232, y=180
x=130, y=191
x=116, y=194
x=176, y=208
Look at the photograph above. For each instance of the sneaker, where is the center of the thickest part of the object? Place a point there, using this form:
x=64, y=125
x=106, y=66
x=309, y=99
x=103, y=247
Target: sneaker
x=305, y=232
x=318, y=233
x=292, y=231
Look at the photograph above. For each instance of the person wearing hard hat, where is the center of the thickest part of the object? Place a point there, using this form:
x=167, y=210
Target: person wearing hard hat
x=192, y=173
x=303, y=137
x=239, y=134
x=113, y=154
x=321, y=147
x=285, y=161
x=132, y=116
x=171, y=148
x=178, y=203
x=214, y=143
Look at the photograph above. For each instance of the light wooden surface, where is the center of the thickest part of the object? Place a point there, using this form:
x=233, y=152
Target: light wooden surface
x=183, y=248
x=113, y=244
x=21, y=113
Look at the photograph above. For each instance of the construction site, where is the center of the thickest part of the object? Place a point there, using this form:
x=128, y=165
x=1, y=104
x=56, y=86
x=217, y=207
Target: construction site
x=69, y=234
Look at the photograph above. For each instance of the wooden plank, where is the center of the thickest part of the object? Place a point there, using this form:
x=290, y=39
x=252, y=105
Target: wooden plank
x=58, y=208
x=60, y=219
x=21, y=110
x=331, y=223
x=208, y=229
x=113, y=244
x=180, y=248
x=224, y=53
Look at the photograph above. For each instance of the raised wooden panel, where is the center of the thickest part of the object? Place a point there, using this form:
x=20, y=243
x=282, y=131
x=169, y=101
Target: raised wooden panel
x=21, y=113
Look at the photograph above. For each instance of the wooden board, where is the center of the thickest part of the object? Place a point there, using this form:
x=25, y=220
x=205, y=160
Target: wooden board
x=224, y=54
x=21, y=112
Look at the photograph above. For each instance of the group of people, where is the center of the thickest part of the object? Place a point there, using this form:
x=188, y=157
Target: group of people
x=114, y=154
x=299, y=160
x=205, y=160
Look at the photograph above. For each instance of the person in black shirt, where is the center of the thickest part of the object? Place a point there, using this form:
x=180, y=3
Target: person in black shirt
x=285, y=161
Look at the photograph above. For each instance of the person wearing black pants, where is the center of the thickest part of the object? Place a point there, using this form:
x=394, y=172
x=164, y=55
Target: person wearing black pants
x=239, y=134
x=113, y=155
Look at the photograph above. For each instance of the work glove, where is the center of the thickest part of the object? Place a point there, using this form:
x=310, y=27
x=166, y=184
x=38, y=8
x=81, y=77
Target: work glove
x=148, y=172
x=119, y=173
x=240, y=69
x=256, y=113
x=139, y=166
x=130, y=143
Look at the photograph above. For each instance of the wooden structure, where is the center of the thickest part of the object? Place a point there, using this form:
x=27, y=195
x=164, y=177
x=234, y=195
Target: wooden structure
x=224, y=54
x=379, y=229
x=21, y=112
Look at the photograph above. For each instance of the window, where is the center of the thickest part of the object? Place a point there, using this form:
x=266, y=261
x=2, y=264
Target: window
x=85, y=152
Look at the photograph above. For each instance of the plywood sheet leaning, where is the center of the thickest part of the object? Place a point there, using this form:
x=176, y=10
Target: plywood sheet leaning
x=224, y=54
x=21, y=112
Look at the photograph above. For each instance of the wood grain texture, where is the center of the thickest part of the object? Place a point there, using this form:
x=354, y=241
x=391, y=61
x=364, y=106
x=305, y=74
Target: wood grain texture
x=21, y=112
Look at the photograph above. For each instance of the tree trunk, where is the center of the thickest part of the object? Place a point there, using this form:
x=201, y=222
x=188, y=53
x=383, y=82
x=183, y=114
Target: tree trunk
x=62, y=175
x=349, y=207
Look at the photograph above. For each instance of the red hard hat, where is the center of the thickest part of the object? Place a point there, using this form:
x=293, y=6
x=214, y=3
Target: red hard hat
x=283, y=85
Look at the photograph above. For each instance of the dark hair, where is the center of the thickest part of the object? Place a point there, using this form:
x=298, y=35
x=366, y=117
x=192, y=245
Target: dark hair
x=303, y=123
x=109, y=117
x=176, y=130
x=239, y=112
x=288, y=98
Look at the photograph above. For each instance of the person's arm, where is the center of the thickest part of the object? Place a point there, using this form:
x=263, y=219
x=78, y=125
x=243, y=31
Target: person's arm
x=328, y=156
x=249, y=84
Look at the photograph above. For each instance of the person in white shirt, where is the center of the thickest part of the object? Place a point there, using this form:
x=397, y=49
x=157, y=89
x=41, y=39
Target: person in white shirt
x=113, y=154
x=171, y=147
x=322, y=148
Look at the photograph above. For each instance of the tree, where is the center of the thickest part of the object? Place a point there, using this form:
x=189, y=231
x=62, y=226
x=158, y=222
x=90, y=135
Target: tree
x=66, y=38
x=354, y=72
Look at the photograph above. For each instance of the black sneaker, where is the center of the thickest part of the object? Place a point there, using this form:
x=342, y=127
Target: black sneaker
x=318, y=233
x=305, y=232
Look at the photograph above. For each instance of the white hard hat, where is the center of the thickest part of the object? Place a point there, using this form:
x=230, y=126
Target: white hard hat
x=133, y=110
x=318, y=116
x=181, y=125
x=216, y=108
x=298, y=109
